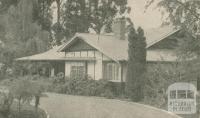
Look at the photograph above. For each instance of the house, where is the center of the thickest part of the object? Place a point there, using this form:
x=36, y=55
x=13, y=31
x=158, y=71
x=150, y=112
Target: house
x=105, y=55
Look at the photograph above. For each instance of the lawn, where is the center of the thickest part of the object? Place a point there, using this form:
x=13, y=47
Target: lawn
x=68, y=106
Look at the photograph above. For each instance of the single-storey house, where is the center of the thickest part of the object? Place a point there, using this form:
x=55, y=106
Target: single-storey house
x=105, y=55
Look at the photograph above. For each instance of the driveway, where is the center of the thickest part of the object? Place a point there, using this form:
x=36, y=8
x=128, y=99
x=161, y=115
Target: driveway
x=67, y=106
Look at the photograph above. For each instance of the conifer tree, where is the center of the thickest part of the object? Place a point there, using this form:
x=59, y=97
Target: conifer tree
x=136, y=64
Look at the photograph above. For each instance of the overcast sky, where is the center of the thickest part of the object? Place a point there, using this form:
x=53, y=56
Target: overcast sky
x=149, y=19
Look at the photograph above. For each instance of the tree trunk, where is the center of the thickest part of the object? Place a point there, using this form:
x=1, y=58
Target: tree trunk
x=58, y=3
x=19, y=105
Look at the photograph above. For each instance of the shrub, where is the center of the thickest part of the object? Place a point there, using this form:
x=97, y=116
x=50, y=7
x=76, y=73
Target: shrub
x=84, y=86
x=6, y=101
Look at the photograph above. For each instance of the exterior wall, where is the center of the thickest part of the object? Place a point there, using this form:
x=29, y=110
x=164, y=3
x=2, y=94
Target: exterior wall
x=68, y=67
x=124, y=71
x=94, y=68
x=91, y=69
x=90, y=53
x=98, y=66
x=52, y=72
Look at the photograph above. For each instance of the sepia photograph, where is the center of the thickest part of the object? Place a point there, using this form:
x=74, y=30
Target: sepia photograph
x=99, y=58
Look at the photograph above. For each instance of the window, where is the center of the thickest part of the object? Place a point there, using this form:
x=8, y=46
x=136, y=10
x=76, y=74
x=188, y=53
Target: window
x=111, y=71
x=77, y=54
x=181, y=94
x=173, y=94
x=78, y=70
x=190, y=94
x=70, y=54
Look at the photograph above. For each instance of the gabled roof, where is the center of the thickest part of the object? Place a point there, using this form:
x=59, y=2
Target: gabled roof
x=155, y=35
x=112, y=47
x=107, y=44
x=118, y=49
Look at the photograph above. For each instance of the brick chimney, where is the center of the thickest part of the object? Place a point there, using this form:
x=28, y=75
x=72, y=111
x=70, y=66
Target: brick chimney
x=119, y=28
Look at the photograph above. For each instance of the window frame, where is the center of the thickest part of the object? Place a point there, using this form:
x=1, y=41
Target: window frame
x=78, y=70
x=111, y=71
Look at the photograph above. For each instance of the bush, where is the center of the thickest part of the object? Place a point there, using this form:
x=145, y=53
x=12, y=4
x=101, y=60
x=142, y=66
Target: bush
x=6, y=101
x=84, y=86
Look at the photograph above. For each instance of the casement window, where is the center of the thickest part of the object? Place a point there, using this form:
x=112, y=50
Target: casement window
x=78, y=70
x=111, y=71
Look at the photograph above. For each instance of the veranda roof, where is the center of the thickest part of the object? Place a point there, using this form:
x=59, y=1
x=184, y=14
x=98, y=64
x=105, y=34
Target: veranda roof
x=51, y=54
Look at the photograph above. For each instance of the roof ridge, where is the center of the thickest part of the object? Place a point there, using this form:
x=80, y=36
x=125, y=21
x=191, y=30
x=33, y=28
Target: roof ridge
x=108, y=34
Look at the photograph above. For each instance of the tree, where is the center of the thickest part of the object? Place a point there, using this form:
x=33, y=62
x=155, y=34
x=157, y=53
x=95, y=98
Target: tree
x=136, y=64
x=21, y=32
x=6, y=102
x=80, y=15
x=22, y=91
x=183, y=14
x=43, y=14
x=5, y=4
x=26, y=88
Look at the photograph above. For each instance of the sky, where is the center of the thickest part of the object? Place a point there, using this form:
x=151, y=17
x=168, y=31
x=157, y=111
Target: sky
x=149, y=19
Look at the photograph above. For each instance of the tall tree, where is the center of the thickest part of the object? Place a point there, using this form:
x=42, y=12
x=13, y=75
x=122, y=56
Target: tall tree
x=5, y=4
x=43, y=14
x=136, y=64
x=23, y=35
x=80, y=15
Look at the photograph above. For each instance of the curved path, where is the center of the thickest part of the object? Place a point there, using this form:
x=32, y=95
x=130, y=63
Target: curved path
x=67, y=106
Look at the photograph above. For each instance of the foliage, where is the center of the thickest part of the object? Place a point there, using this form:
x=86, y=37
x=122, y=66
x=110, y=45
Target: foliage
x=81, y=15
x=27, y=111
x=161, y=75
x=84, y=86
x=21, y=32
x=8, y=108
x=24, y=89
x=6, y=100
x=21, y=91
x=136, y=64
x=43, y=14
x=5, y=4
x=183, y=14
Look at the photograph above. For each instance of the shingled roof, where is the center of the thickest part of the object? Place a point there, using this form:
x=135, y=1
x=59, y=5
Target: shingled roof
x=114, y=48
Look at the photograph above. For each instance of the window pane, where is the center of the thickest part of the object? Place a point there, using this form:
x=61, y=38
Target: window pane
x=111, y=71
x=181, y=94
x=173, y=94
x=77, y=72
x=190, y=94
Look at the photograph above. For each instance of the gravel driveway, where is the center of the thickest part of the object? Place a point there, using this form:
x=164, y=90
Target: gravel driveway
x=67, y=106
